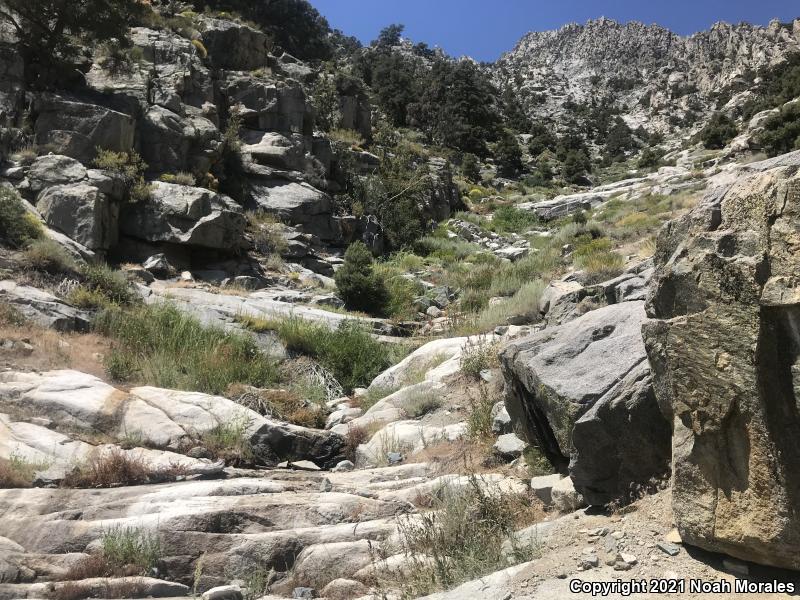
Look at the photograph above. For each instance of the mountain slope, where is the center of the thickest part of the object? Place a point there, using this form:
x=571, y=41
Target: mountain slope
x=657, y=78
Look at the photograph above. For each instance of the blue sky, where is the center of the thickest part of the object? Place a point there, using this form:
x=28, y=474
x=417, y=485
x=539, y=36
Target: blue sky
x=485, y=29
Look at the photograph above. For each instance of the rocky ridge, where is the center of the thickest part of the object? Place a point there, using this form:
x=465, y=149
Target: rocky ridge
x=657, y=76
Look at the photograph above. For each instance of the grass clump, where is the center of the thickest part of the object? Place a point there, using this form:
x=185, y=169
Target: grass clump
x=17, y=472
x=348, y=137
x=180, y=178
x=422, y=404
x=266, y=232
x=477, y=356
x=18, y=227
x=479, y=420
x=115, y=468
x=513, y=219
x=349, y=352
x=230, y=441
x=10, y=315
x=468, y=534
x=375, y=395
x=131, y=547
x=48, y=256
x=597, y=258
x=164, y=347
x=102, y=287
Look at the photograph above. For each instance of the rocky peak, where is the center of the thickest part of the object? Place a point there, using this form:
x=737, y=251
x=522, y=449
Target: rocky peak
x=652, y=74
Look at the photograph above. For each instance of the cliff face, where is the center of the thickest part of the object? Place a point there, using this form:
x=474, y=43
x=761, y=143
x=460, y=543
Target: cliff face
x=655, y=76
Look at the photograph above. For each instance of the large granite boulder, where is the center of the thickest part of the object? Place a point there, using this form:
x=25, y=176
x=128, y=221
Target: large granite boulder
x=81, y=212
x=156, y=418
x=43, y=308
x=180, y=214
x=171, y=142
x=298, y=204
x=235, y=46
x=77, y=128
x=267, y=106
x=273, y=150
x=54, y=169
x=582, y=393
x=725, y=352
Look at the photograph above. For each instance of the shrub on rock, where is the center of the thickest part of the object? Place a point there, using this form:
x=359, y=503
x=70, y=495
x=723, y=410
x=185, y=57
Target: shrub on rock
x=17, y=226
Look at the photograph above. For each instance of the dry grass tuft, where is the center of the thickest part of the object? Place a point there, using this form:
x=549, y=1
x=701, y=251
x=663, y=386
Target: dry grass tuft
x=118, y=468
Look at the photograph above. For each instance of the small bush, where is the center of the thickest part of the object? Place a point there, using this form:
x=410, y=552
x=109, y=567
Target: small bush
x=782, y=131
x=346, y=136
x=596, y=257
x=83, y=297
x=162, y=346
x=476, y=357
x=230, y=442
x=468, y=534
x=16, y=472
x=17, y=226
x=470, y=168
x=114, y=468
x=10, y=315
x=719, y=131
x=112, y=284
x=479, y=420
x=422, y=404
x=358, y=284
x=130, y=167
x=267, y=233
x=375, y=395
x=513, y=219
x=48, y=256
x=300, y=405
x=349, y=352
x=181, y=178
x=130, y=547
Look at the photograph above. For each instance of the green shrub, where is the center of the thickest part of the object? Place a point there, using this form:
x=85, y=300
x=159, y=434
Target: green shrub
x=350, y=352
x=181, y=178
x=83, y=297
x=719, y=131
x=782, y=131
x=230, y=442
x=48, y=256
x=513, y=219
x=267, y=233
x=17, y=226
x=479, y=419
x=113, y=285
x=161, y=346
x=468, y=534
x=471, y=168
x=358, y=284
x=478, y=356
x=131, y=547
x=130, y=167
x=422, y=404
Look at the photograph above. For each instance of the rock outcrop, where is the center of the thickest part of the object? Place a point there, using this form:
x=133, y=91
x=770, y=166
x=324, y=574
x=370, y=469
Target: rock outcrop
x=582, y=393
x=658, y=76
x=725, y=354
x=155, y=418
x=178, y=214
